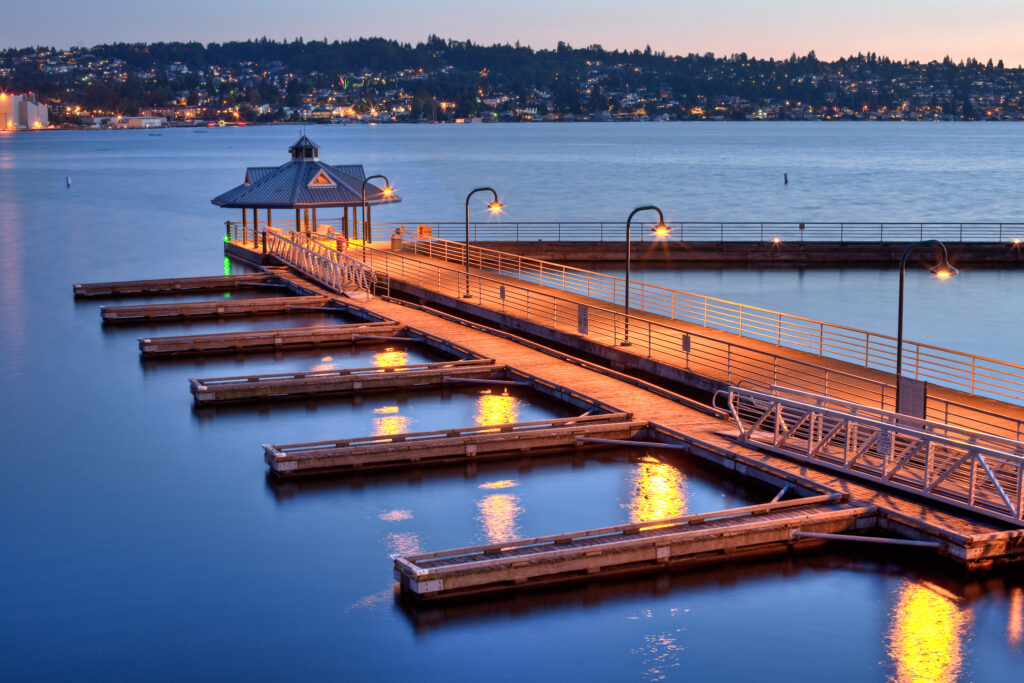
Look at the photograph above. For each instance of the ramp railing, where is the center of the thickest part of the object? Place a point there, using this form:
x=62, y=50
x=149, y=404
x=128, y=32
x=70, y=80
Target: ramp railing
x=691, y=351
x=984, y=476
x=966, y=372
x=319, y=261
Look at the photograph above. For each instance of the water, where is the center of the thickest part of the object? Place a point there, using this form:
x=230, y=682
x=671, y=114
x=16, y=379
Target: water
x=143, y=539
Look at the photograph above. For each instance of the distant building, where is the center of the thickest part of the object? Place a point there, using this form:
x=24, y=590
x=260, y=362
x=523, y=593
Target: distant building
x=19, y=112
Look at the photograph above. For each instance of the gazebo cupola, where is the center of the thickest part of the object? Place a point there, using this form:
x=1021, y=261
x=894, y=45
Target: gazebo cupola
x=304, y=150
x=306, y=184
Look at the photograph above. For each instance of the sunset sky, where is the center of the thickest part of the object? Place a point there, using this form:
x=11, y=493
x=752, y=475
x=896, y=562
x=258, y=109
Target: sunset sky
x=910, y=29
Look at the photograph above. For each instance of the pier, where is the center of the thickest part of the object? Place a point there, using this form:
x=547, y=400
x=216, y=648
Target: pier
x=575, y=343
x=176, y=285
x=326, y=382
x=724, y=535
x=269, y=340
x=211, y=309
x=444, y=446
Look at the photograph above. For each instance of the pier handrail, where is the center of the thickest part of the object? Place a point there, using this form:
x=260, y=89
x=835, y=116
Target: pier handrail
x=690, y=350
x=973, y=476
x=329, y=267
x=967, y=372
x=696, y=231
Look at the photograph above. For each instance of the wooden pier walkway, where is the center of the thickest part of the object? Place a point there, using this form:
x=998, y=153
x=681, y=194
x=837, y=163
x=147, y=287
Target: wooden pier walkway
x=174, y=285
x=444, y=445
x=268, y=340
x=975, y=541
x=684, y=352
x=324, y=382
x=211, y=309
x=692, y=539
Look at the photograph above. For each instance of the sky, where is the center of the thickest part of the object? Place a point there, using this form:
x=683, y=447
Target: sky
x=900, y=29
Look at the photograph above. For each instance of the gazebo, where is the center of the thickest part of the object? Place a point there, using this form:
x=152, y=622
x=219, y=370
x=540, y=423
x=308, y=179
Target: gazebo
x=306, y=184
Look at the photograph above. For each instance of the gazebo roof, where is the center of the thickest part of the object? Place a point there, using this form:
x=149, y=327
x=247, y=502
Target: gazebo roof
x=303, y=182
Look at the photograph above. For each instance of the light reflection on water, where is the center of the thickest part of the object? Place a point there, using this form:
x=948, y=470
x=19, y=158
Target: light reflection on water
x=390, y=358
x=1015, y=621
x=659, y=491
x=498, y=515
x=927, y=634
x=388, y=425
x=497, y=409
x=661, y=650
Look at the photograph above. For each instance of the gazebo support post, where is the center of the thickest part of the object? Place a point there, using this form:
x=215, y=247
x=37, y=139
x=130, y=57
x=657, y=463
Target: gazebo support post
x=316, y=226
x=268, y=218
x=297, y=220
x=344, y=223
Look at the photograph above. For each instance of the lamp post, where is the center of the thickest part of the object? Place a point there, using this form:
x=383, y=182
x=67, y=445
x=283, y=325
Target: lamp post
x=661, y=229
x=495, y=207
x=942, y=270
x=366, y=224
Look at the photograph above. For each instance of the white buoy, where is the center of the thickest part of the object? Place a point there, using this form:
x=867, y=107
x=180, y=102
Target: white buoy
x=67, y=179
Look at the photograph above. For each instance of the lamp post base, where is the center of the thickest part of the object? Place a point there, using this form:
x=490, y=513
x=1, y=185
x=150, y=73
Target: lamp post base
x=626, y=343
x=467, y=295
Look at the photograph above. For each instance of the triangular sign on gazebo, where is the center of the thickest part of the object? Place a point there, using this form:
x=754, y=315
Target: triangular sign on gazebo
x=321, y=179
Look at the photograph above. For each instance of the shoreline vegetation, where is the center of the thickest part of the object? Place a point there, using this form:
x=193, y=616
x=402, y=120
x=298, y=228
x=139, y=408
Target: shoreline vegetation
x=375, y=80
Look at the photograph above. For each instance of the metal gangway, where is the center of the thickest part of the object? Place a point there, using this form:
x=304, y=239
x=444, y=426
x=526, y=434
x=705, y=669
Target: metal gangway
x=321, y=262
x=971, y=470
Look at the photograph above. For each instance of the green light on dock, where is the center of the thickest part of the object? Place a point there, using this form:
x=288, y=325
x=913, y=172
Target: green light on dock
x=227, y=266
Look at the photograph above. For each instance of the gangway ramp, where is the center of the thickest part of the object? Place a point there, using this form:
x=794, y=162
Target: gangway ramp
x=626, y=548
x=212, y=309
x=321, y=382
x=444, y=445
x=980, y=473
x=174, y=285
x=269, y=340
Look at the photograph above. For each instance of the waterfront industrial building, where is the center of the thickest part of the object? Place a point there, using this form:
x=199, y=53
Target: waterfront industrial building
x=21, y=112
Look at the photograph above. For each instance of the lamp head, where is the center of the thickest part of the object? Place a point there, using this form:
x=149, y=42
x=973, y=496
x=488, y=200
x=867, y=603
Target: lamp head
x=495, y=206
x=944, y=270
x=661, y=229
x=388, y=191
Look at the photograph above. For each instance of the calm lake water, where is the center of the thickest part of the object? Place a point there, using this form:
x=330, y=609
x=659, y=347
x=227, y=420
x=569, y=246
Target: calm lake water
x=143, y=539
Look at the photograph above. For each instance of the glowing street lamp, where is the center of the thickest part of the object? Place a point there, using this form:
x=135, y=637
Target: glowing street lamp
x=366, y=224
x=495, y=207
x=661, y=230
x=942, y=271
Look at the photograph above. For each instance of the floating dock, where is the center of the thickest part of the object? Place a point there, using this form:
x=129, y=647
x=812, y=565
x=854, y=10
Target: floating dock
x=323, y=382
x=628, y=548
x=175, y=285
x=444, y=445
x=269, y=340
x=211, y=309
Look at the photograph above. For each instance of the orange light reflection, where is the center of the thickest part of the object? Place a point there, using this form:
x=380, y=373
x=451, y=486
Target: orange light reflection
x=496, y=409
x=1015, y=620
x=390, y=358
x=659, y=491
x=498, y=513
x=926, y=635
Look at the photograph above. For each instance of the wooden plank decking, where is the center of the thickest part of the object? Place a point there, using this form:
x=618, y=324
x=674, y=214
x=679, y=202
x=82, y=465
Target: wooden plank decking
x=174, y=285
x=750, y=360
x=444, y=446
x=624, y=548
x=268, y=340
x=324, y=382
x=211, y=309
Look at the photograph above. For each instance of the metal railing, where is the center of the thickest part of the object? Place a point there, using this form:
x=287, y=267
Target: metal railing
x=723, y=231
x=319, y=261
x=690, y=231
x=969, y=373
x=931, y=461
x=693, y=352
